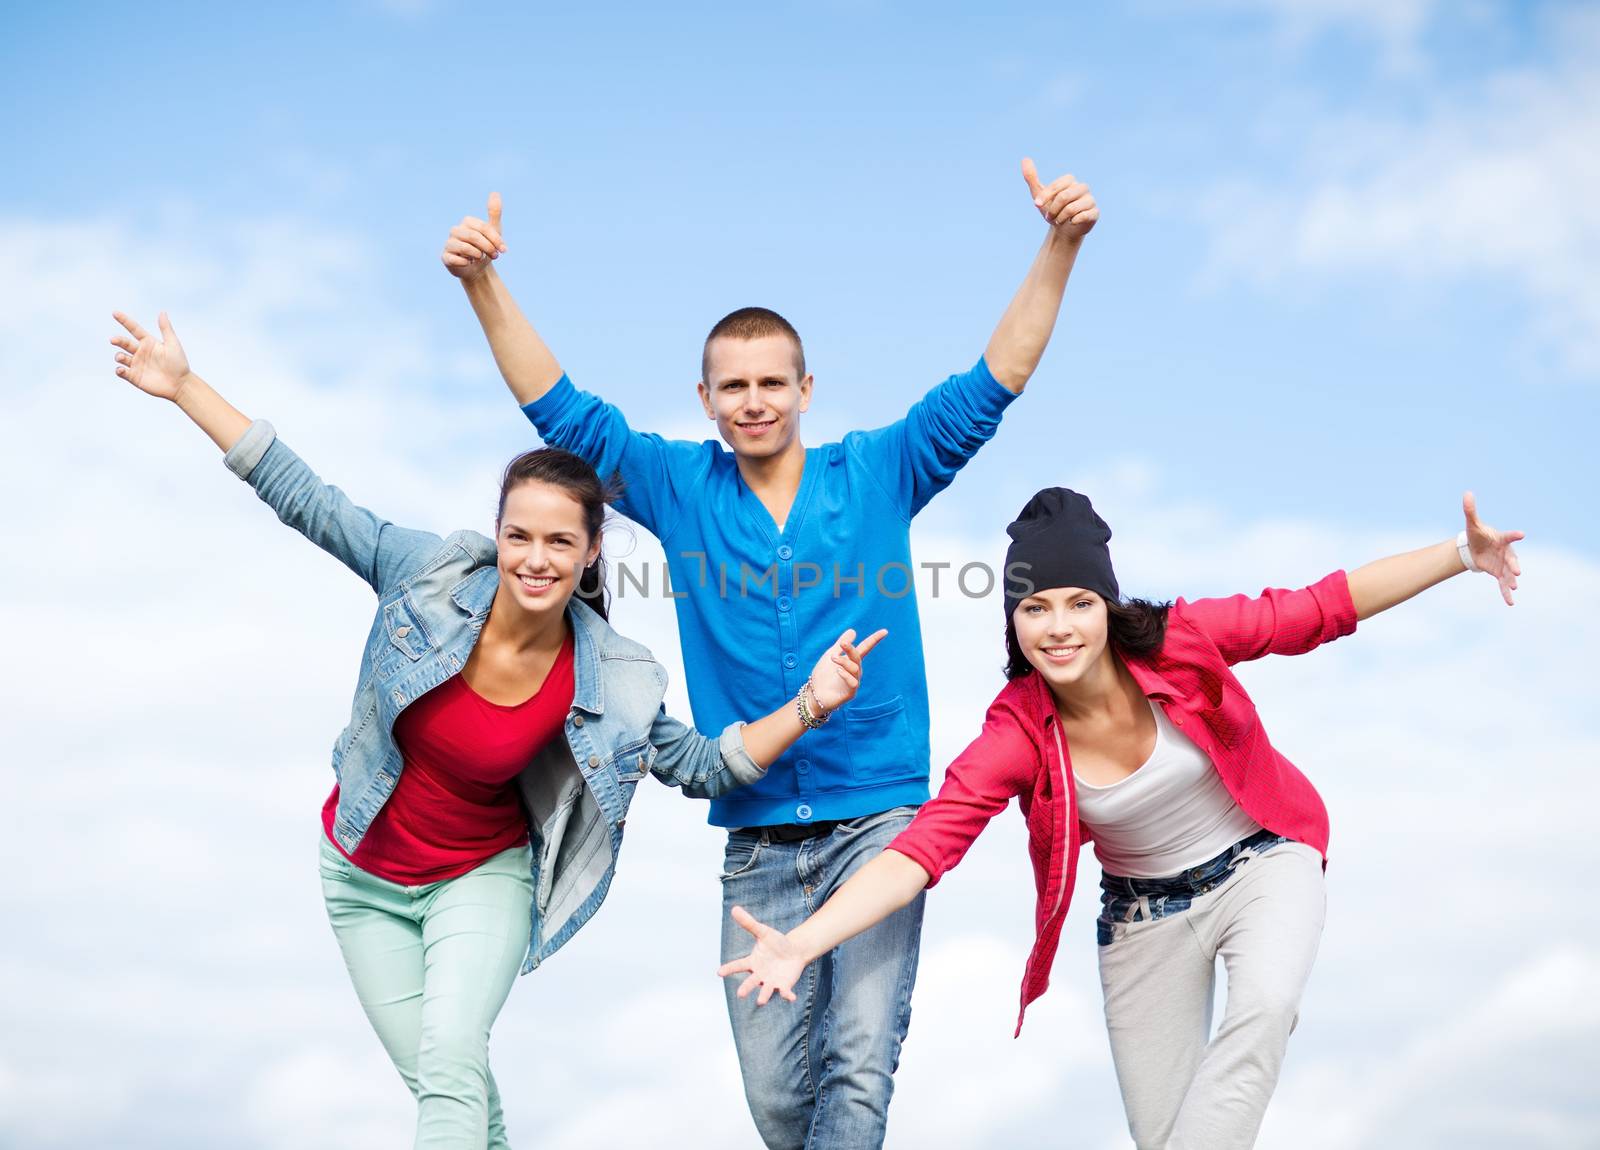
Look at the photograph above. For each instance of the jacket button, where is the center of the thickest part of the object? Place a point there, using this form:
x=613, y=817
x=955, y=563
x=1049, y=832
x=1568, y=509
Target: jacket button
x=803, y=811
x=401, y=632
x=594, y=760
x=785, y=552
x=620, y=822
x=577, y=720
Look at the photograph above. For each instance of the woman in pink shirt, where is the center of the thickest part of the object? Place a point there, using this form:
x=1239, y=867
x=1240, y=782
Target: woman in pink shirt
x=1211, y=842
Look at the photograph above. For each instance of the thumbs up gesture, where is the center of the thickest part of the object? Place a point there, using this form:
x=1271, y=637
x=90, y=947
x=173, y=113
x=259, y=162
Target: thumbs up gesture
x=1066, y=204
x=473, y=243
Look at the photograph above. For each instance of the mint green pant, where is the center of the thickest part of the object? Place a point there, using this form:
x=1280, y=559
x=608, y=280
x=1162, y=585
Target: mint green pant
x=432, y=965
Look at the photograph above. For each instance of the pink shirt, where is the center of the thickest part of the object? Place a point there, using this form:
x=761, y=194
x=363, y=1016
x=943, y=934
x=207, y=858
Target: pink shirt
x=1021, y=752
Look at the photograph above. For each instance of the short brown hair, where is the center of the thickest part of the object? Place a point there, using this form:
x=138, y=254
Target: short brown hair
x=753, y=323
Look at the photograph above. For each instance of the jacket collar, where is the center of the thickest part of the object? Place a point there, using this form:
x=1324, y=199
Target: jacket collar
x=589, y=635
x=475, y=595
x=1036, y=692
x=1150, y=680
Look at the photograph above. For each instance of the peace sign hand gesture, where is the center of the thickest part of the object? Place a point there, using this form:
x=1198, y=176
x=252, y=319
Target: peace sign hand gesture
x=473, y=243
x=1491, y=550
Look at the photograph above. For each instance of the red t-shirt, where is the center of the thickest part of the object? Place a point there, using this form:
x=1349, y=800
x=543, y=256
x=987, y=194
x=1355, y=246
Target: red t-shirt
x=456, y=804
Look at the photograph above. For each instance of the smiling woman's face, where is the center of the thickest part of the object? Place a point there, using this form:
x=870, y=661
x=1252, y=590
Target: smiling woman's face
x=543, y=545
x=1062, y=632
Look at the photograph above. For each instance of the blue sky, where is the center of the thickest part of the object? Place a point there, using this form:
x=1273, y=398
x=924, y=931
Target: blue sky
x=854, y=166
x=1345, y=270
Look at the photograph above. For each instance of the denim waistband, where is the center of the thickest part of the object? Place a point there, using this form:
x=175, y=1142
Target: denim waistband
x=1196, y=880
x=797, y=832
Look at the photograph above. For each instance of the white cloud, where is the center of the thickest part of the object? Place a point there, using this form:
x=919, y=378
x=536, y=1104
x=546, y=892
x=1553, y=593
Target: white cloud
x=169, y=972
x=1496, y=185
x=328, y=1096
x=1514, y=1063
x=1395, y=26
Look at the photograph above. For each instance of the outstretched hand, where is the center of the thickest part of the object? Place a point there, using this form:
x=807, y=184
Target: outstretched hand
x=775, y=964
x=155, y=366
x=473, y=243
x=1491, y=549
x=1066, y=204
x=837, y=675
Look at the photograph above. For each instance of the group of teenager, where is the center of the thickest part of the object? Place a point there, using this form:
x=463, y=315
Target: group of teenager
x=500, y=725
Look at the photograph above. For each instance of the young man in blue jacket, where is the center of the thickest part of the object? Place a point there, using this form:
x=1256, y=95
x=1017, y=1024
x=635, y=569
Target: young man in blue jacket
x=768, y=542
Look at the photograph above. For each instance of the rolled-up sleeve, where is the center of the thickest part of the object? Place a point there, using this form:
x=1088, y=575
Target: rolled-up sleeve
x=702, y=766
x=243, y=456
x=654, y=470
x=918, y=456
x=995, y=768
x=1276, y=622
x=379, y=551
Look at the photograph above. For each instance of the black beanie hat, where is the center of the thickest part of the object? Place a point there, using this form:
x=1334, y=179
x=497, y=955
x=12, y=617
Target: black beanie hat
x=1058, y=541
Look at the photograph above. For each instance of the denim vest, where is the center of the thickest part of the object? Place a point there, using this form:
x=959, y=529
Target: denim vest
x=433, y=599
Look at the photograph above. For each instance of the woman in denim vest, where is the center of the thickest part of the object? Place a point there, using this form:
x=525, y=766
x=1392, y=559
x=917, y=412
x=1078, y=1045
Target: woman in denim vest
x=498, y=730
x=1211, y=843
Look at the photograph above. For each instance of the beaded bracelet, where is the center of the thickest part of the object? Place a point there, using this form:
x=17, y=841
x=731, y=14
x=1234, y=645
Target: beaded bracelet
x=804, y=711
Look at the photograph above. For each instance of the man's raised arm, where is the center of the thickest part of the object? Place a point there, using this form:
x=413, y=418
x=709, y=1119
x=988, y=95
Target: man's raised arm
x=526, y=364
x=1023, y=332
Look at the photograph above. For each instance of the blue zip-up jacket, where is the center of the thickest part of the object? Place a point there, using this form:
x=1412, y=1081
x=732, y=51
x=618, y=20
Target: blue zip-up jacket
x=754, y=599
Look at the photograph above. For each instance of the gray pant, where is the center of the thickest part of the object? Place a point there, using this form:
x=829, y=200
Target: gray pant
x=1158, y=972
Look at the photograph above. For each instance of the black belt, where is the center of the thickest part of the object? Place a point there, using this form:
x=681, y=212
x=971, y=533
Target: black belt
x=797, y=832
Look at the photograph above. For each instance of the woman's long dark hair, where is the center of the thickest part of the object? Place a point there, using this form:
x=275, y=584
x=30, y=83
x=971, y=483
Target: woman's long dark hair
x=1136, y=627
x=572, y=474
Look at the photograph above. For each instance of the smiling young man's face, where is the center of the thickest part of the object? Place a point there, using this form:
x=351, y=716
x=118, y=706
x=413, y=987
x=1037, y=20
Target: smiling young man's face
x=754, y=391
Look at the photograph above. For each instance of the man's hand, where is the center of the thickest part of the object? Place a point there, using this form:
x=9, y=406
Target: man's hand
x=1065, y=204
x=474, y=242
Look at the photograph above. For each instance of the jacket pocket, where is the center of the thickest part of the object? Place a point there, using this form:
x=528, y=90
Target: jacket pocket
x=632, y=763
x=889, y=823
x=879, y=742
x=1233, y=718
x=332, y=865
x=407, y=641
x=1219, y=701
x=740, y=856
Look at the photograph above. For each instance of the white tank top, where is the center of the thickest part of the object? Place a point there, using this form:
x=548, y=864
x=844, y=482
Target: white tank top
x=1170, y=814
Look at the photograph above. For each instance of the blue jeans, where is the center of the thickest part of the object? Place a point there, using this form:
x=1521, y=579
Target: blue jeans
x=819, y=1072
x=432, y=965
x=1139, y=899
